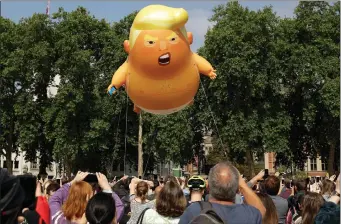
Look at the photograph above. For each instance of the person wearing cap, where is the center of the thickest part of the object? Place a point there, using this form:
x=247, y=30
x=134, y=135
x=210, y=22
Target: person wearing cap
x=197, y=186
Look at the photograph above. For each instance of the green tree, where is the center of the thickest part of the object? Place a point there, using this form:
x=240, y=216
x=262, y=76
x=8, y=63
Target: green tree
x=245, y=98
x=169, y=138
x=113, y=113
x=79, y=43
x=36, y=59
x=308, y=53
x=9, y=88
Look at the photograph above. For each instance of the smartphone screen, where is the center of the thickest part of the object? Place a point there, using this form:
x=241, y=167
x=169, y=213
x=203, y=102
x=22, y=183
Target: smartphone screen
x=91, y=178
x=266, y=173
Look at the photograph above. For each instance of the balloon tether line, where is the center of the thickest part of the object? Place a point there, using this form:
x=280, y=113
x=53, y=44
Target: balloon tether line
x=125, y=135
x=212, y=115
x=118, y=125
x=154, y=136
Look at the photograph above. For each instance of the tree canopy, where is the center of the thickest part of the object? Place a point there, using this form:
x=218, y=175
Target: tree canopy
x=277, y=90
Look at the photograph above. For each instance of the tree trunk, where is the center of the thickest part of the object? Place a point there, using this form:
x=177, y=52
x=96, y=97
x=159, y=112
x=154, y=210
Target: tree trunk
x=68, y=168
x=9, y=161
x=250, y=163
x=140, y=150
x=108, y=167
x=42, y=168
x=331, y=159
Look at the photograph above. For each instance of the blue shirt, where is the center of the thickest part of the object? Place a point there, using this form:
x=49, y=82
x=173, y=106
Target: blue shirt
x=231, y=214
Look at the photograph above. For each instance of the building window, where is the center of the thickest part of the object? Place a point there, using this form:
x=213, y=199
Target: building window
x=50, y=167
x=324, y=165
x=4, y=164
x=34, y=165
x=313, y=164
x=16, y=164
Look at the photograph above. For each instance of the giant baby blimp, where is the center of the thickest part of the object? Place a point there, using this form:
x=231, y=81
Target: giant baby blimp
x=161, y=74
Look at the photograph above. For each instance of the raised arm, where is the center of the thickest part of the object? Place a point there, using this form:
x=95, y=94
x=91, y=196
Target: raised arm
x=204, y=66
x=336, y=196
x=119, y=78
x=104, y=184
x=254, y=180
x=58, y=198
x=250, y=197
x=119, y=206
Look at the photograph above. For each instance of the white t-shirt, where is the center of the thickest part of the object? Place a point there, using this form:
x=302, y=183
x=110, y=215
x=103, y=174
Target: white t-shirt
x=152, y=217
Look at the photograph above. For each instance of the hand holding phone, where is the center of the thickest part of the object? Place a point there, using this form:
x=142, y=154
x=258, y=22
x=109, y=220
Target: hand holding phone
x=103, y=181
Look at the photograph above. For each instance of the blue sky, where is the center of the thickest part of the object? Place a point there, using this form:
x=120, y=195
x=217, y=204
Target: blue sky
x=199, y=11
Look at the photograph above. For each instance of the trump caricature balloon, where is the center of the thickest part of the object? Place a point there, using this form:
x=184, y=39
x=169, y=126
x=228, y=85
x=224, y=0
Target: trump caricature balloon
x=161, y=73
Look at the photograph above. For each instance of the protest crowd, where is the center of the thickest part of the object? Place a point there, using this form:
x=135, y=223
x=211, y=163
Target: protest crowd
x=224, y=197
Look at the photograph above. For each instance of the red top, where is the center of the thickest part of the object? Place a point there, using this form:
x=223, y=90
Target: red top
x=43, y=210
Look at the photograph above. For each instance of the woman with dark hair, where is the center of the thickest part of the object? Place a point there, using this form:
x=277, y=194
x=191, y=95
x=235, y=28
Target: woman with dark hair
x=294, y=215
x=271, y=216
x=138, y=199
x=170, y=204
x=312, y=203
x=101, y=209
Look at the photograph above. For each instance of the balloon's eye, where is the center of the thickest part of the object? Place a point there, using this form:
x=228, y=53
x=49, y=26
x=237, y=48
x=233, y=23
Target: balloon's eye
x=173, y=40
x=149, y=43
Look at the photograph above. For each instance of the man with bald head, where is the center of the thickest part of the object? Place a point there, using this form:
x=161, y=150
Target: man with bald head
x=224, y=181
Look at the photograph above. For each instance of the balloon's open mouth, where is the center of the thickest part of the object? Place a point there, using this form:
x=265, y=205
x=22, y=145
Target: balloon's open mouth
x=164, y=59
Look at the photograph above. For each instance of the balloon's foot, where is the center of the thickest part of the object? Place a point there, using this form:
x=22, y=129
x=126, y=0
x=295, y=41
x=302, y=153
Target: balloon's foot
x=112, y=90
x=137, y=109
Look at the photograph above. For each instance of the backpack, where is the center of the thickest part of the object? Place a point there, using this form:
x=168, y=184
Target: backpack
x=207, y=215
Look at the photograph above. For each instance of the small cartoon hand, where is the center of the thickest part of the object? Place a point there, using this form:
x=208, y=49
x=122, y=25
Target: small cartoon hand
x=212, y=74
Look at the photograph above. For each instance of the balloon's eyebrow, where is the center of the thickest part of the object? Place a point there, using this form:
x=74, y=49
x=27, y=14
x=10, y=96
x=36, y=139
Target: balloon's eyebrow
x=148, y=37
x=172, y=35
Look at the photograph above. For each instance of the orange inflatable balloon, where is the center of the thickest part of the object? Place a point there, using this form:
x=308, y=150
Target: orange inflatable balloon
x=161, y=73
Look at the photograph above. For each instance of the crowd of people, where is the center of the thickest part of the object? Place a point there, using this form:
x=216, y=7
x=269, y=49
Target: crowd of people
x=224, y=197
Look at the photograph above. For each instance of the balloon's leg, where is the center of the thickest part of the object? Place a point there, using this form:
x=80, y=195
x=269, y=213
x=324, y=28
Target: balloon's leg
x=137, y=109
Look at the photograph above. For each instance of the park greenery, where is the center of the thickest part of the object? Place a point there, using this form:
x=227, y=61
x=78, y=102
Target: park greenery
x=277, y=90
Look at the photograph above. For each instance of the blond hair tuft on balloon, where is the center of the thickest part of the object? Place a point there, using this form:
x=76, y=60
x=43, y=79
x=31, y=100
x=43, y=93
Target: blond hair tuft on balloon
x=158, y=17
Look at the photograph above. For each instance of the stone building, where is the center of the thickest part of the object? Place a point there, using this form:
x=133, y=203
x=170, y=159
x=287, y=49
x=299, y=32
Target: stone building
x=21, y=166
x=314, y=167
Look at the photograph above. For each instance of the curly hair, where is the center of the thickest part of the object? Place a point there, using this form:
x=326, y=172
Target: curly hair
x=171, y=201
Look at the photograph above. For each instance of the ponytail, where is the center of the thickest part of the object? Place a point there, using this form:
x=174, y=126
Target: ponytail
x=142, y=190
